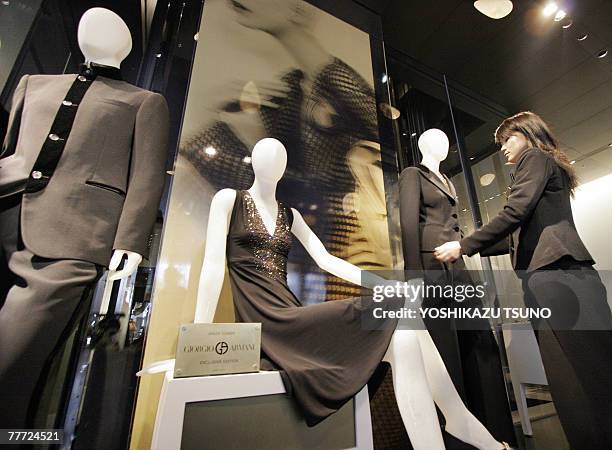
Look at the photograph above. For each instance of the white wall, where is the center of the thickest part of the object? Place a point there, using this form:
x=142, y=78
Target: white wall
x=592, y=208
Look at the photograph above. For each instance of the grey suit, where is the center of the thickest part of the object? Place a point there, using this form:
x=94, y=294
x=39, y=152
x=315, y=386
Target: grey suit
x=81, y=174
x=106, y=188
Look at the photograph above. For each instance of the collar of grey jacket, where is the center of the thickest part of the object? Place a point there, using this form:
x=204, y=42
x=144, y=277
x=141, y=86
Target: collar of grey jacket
x=447, y=187
x=93, y=69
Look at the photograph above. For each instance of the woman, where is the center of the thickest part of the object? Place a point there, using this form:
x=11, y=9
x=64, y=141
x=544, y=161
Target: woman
x=557, y=273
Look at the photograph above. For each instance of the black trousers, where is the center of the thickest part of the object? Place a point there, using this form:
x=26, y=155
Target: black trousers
x=471, y=356
x=41, y=299
x=578, y=362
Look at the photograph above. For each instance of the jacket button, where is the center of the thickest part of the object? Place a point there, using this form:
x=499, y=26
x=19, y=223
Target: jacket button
x=37, y=175
x=54, y=137
x=456, y=228
x=67, y=103
x=454, y=215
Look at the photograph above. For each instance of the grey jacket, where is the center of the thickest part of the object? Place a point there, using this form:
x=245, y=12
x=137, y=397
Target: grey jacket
x=105, y=190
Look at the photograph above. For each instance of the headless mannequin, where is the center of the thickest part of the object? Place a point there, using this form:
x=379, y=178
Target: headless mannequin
x=419, y=375
x=105, y=39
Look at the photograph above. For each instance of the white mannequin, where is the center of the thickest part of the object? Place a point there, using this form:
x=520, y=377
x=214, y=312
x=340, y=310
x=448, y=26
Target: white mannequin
x=419, y=374
x=105, y=39
x=433, y=145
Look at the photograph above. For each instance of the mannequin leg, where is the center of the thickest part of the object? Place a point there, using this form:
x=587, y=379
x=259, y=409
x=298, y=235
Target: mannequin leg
x=412, y=392
x=460, y=422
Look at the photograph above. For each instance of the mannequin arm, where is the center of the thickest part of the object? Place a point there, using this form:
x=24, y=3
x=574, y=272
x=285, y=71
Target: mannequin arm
x=213, y=267
x=130, y=266
x=327, y=261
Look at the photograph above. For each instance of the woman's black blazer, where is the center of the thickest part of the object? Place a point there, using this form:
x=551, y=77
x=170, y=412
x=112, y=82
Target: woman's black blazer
x=537, y=216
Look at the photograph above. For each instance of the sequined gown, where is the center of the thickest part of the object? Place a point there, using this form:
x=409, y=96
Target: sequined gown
x=324, y=354
x=317, y=169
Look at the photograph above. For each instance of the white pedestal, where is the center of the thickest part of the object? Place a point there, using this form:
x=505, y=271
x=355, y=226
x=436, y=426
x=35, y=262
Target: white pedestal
x=176, y=393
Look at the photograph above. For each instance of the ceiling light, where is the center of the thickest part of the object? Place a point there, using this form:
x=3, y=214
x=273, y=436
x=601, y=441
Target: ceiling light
x=583, y=37
x=210, y=151
x=602, y=54
x=567, y=24
x=389, y=111
x=246, y=159
x=560, y=15
x=385, y=78
x=487, y=179
x=412, y=134
x=573, y=161
x=550, y=9
x=495, y=9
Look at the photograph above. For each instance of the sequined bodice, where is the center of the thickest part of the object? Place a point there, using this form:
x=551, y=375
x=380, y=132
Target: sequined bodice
x=251, y=243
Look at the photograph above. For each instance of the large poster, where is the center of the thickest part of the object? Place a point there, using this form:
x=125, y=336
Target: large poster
x=282, y=69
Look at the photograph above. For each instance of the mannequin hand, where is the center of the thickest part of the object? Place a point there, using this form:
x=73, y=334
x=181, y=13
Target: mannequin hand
x=166, y=365
x=448, y=252
x=130, y=266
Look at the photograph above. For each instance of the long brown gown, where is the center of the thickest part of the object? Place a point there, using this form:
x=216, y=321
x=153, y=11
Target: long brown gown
x=324, y=353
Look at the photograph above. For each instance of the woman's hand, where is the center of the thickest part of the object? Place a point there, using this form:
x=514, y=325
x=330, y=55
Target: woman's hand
x=448, y=252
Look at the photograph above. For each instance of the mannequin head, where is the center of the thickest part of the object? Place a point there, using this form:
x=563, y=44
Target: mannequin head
x=269, y=160
x=103, y=37
x=433, y=145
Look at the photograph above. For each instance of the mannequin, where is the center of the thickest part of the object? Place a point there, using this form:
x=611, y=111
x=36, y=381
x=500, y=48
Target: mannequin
x=81, y=177
x=105, y=39
x=428, y=212
x=419, y=375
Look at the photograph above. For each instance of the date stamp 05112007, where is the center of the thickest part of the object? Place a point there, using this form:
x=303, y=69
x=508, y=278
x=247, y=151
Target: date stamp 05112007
x=37, y=436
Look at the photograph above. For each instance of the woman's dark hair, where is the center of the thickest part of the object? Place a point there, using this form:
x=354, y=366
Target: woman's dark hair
x=538, y=135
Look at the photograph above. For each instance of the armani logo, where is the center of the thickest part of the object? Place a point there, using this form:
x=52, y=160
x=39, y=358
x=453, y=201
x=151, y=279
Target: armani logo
x=221, y=348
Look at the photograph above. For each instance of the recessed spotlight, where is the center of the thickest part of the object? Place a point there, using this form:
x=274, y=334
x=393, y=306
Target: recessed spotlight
x=550, y=9
x=313, y=207
x=573, y=161
x=602, y=54
x=582, y=37
x=560, y=15
x=412, y=134
x=568, y=23
x=487, y=179
x=210, y=151
x=471, y=158
x=404, y=134
x=385, y=78
x=246, y=159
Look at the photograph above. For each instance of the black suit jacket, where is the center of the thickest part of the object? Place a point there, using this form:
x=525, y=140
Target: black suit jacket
x=428, y=214
x=537, y=216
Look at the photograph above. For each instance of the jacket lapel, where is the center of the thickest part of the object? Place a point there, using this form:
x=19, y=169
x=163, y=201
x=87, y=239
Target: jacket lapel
x=437, y=182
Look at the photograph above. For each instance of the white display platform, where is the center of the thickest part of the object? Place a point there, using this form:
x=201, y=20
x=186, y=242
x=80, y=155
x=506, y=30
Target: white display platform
x=177, y=393
x=525, y=363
